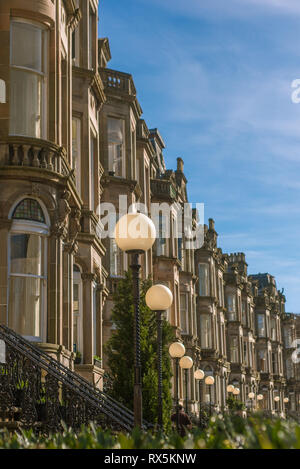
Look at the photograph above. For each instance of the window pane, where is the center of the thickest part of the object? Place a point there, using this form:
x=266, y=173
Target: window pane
x=25, y=103
x=29, y=209
x=184, y=312
x=26, y=47
x=115, y=145
x=205, y=331
x=26, y=254
x=25, y=306
x=261, y=325
x=234, y=351
x=203, y=280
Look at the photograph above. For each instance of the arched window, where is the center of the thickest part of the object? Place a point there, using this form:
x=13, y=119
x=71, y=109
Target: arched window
x=77, y=310
x=29, y=209
x=27, y=270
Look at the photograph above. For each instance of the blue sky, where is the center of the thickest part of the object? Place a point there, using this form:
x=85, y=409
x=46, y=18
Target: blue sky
x=215, y=77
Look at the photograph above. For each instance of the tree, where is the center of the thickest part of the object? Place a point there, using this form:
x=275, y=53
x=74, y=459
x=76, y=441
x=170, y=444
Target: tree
x=120, y=353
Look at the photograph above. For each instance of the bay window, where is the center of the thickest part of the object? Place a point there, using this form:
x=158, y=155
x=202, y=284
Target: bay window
x=28, y=79
x=116, y=153
x=28, y=271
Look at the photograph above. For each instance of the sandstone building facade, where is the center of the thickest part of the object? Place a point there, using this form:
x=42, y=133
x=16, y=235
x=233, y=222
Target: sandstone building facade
x=72, y=137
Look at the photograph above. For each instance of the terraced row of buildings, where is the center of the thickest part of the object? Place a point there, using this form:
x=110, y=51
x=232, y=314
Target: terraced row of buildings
x=73, y=137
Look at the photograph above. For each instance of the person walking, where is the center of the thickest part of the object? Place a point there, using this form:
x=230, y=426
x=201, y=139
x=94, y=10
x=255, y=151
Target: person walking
x=184, y=421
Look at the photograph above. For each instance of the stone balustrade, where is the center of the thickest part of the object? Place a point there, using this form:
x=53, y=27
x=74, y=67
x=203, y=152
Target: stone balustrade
x=114, y=80
x=35, y=153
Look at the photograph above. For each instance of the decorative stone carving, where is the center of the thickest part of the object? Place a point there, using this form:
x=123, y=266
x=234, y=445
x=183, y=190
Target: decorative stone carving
x=62, y=215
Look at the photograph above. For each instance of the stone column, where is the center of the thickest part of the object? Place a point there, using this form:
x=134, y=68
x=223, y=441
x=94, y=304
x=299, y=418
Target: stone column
x=99, y=321
x=54, y=332
x=68, y=297
x=88, y=278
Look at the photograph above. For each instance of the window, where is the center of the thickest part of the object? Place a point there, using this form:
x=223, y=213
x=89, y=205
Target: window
x=174, y=237
x=77, y=310
x=234, y=349
x=204, y=280
x=181, y=253
x=76, y=42
x=28, y=80
x=93, y=178
x=161, y=240
x=273, y=329
x=289, y=368
x=245, y=353
x=27, y=271
x=274, y=363
x=184, y=312
x=231, y=306
x=205, y=331
x=91, y=38
x=29, y=209
x=261, y=325
x=251, y=354
x=262, y=361
x=220, y=290
x=244, y=312
x=76, y=150
x=115, y=128
x=116, y=259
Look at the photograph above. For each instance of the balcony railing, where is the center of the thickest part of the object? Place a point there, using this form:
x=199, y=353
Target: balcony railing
x=162, y=188
x=35, y=153
x=119, y=81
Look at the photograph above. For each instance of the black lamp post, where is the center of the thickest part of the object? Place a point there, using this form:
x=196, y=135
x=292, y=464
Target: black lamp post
x=199, y=376
x=186, y=364
x=159, y=298
x=276, y=400
x=210, y=381
x=251, y=396
x=177, y=351
x=135, y=234
x=286, y=405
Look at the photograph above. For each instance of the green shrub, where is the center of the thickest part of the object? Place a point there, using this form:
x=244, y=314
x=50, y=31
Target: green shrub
x=223, y=432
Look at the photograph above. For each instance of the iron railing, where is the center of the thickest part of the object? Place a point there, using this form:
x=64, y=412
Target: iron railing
x=44, y=392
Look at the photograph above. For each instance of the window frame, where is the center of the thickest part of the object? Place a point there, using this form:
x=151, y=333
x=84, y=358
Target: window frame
x=20, y=226
x=43, y=75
